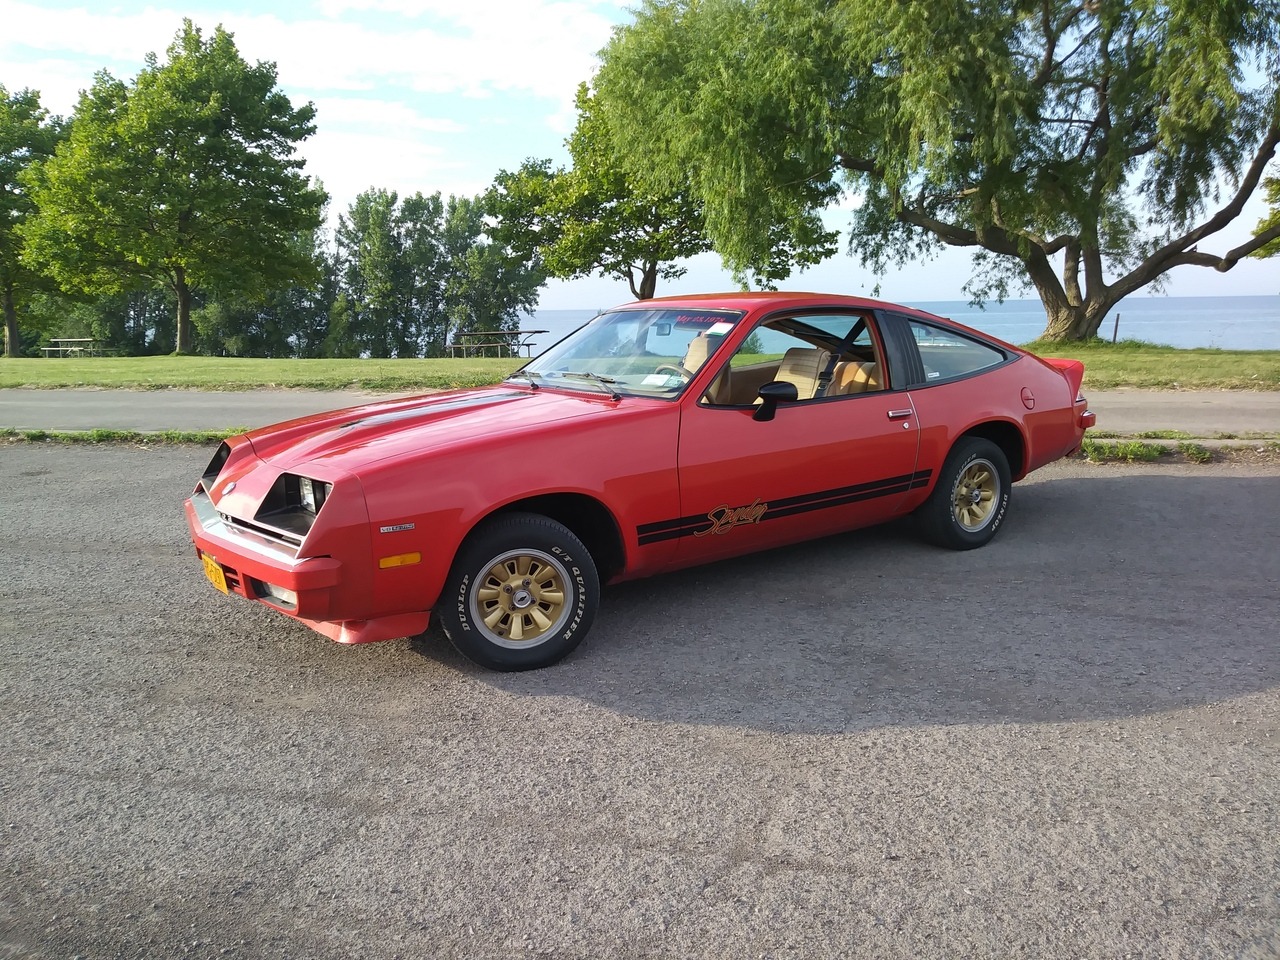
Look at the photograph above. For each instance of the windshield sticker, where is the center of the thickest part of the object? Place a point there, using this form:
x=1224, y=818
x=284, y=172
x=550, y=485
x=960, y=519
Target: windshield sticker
x=700, y=319
x=724, y=517
x=719, y=328
x=657, y=379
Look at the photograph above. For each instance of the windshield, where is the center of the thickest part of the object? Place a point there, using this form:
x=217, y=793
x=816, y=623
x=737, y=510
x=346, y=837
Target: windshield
x=652, y=353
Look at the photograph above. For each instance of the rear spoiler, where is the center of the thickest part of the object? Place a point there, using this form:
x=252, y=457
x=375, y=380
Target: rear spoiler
x=1073, y=370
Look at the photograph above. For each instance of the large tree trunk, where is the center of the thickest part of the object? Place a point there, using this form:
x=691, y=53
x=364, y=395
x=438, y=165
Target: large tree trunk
x=185, y=339
x=12, y=341
x=648, y=281
x=1070, y=314
x=1071, y=324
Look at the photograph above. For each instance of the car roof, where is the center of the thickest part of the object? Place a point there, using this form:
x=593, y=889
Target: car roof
x=751, y=300
x=801, y=300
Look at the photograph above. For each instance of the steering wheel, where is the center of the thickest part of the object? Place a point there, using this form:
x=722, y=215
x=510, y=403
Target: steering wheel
x=680, y=372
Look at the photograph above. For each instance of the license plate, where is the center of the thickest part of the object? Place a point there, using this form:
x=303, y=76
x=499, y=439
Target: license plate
x=213, y=570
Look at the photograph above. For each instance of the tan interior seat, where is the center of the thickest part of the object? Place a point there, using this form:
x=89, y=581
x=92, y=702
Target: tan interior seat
x=851, y=377
x=700, y=348
x=802, y=366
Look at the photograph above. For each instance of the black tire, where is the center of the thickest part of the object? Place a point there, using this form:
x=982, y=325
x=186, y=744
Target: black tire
x=521, y=595
x=971, y=498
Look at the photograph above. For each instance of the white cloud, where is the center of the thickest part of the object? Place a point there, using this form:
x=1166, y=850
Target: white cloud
x=473, y=49
x=81, y=34
x=58, y=81
x=382, y=115
x=349, y=163
x=410, y=95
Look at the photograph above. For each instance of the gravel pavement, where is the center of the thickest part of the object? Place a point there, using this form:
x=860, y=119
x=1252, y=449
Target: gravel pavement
x=1064, y=745
x=1204, y=413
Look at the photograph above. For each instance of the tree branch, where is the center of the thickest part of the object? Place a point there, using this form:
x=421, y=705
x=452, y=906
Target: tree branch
x=995, y=239
x=1042, y=78
x=1181, y=250
x=1050, y=44
x=1222, y=264
x=1050, y=247
x=860, y=165
x=1071, y=271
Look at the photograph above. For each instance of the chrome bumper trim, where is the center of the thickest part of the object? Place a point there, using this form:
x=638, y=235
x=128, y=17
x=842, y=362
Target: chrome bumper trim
x=243, y=539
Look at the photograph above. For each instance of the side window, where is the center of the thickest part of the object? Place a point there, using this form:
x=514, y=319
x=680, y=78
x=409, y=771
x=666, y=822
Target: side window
x=822, y=355
x=947, y=355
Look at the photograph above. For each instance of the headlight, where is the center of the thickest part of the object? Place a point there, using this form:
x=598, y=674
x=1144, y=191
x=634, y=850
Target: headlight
x=311, y=494
x=292, y=503
x=302, y=493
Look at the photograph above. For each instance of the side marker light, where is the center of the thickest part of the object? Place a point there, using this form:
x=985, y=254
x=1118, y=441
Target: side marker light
x=399, y=560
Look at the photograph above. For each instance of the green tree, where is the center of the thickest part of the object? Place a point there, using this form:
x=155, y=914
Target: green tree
x=1270, y=224
x=288, y=321
x=596, y=217
x=27, y=135
x=370, y=251
x=391, y=265
x=411, y=270
x=185, y=179
x=133, y=323
x=489, y=284
x=592, y=218
x=1082, y=148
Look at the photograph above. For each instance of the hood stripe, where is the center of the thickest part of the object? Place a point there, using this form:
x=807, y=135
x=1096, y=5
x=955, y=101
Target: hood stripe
x=443, y=406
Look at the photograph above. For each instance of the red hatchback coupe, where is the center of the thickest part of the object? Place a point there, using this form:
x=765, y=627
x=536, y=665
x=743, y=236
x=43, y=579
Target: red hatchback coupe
x=662, y=434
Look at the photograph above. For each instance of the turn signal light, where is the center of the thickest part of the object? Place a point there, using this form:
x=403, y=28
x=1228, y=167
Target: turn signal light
x=400, y=560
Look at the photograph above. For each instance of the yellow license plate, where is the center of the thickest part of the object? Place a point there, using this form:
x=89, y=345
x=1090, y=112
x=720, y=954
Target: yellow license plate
x=213, y=571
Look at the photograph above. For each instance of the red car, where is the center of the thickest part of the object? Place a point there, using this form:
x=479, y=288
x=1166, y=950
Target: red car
x=662, y=434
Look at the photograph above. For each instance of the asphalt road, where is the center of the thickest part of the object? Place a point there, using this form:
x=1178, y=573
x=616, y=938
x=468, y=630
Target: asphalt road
x=1202, y=413
x=1066, y=744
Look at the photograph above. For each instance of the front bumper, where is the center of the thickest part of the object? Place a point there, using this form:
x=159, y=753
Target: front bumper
x=266, y=571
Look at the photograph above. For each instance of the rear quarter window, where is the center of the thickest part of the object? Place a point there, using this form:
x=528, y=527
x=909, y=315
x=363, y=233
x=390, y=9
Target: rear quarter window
x=947, y=355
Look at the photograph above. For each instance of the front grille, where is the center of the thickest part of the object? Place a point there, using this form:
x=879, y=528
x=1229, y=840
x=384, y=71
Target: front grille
x=234, y=582
x=263, y=530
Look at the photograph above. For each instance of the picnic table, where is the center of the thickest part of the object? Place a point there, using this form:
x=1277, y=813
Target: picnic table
x=478, y=343
x=72, y=347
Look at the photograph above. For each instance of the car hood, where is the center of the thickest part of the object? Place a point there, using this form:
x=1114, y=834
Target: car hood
x=349, y=438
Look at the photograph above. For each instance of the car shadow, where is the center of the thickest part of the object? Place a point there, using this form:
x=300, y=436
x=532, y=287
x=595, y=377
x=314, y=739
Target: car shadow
x=1101, y=597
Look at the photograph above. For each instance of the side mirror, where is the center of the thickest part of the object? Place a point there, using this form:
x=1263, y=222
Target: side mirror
x=771, y=394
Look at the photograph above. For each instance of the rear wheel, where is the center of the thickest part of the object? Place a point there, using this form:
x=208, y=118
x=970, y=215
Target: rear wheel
x=521, y=595
x=971, y=498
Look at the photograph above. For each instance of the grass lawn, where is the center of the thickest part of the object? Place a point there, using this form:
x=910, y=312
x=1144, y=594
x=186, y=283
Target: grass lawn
x=234, y=373
x=1132, y=363
x=1126, y=364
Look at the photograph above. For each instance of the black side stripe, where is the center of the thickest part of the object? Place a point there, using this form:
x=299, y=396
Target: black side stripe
x=789, y=506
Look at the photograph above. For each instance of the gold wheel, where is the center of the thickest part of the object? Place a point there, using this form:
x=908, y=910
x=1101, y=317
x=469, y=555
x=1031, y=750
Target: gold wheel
x=976, y=493
x=519, y=599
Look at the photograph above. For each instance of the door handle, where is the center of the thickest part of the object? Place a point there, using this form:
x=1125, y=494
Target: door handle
x=899, y=414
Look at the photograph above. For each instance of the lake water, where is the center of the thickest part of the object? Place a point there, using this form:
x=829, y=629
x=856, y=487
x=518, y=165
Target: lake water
x=1230, y=323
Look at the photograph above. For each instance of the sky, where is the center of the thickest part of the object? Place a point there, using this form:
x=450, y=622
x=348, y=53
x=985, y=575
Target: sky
x=439, y=95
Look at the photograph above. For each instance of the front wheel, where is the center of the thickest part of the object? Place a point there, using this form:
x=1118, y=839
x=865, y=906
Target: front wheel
x=971, y=498
x=521, y=595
